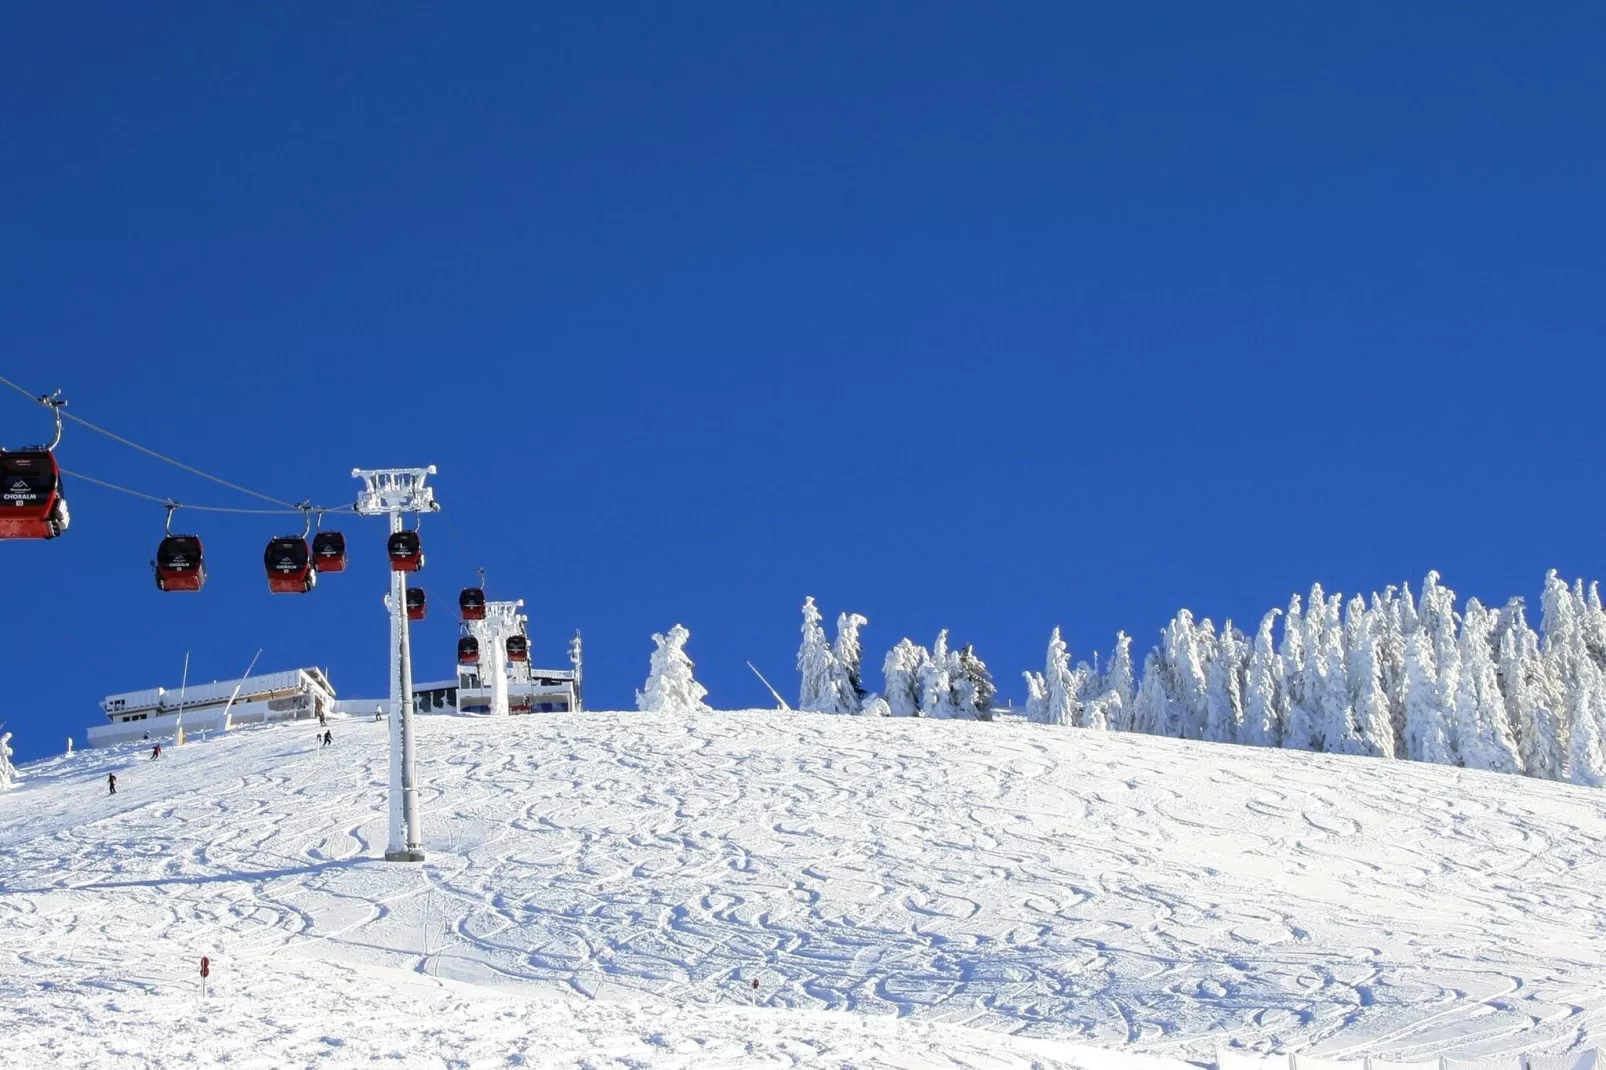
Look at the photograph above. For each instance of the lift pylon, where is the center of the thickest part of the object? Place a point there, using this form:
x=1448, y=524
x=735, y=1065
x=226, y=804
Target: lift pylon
x=392, y=492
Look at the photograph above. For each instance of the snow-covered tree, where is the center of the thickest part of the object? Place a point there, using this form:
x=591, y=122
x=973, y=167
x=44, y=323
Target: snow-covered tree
x=1262, y=724
x=937, y=677
x=822, y=678
x=1036, y=697
x=1119, y=678
x=1331, y=691
x=1426, y=739
x=1224, y=689
x=1586, y=764
x=1437, y=611
x=1373, y=719
x=1527, y=694
x=671, y=686
x=1151, y=706
x=875, y=706
x=1186, y=650
x=849, y=657
x=1300, y=726
x=1484, y=726
x=977, y=691
x=8, y=772
x=1060, y=682
x=1388, y=630
x=902, y=670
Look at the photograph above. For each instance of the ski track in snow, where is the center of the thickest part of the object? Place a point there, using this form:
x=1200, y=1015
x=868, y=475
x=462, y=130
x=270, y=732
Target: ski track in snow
x=599, y=881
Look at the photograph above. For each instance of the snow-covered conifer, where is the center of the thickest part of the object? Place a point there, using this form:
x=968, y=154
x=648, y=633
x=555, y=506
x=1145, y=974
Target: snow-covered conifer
x=1187, y=648
x=825, y=687
x=1373, y=719
x=937, y=678
x=1300, y=730
x=1591, y=622
x=1150, y=707
x=1118, y=677
x=979, y=690
x=671, y=686
x=8, y=772
x=1262, y=725
x=1036, y=697
x=1331, y=698
x=1437, y=611
x=1563, y=643
x=849, y=657
x=1425, y=737
x=1060, y=683
x=1387, y=628
x=1586, y=764
x=1528, y=703
x=902, y=669
x=1224, y=689
x=1484, y=727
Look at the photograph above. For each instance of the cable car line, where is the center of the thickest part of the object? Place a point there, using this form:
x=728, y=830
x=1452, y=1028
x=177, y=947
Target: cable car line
x=160, y=500
x=47, y=400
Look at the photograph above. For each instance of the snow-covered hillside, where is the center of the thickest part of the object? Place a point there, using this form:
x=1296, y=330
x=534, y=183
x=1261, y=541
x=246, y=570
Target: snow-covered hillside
x=605, y=889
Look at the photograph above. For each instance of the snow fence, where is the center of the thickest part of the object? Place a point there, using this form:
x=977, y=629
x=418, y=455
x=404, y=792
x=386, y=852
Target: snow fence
x=1587, y=1059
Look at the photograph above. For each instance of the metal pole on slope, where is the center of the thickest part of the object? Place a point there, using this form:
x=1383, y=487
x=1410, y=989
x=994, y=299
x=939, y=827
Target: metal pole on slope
x=392, y=492
x=183, y=686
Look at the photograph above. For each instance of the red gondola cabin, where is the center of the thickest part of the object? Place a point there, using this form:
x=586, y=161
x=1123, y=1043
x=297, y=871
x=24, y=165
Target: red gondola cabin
x=180, y=564
x=289, y=565
x=329, y=551
x=518, y=648
x=31, y=502
x=406, y=552
x=468, y=651
x=416, y=603
x=472, y=603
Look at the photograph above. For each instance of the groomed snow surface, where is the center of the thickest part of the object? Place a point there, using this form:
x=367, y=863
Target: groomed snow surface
x=603, y=889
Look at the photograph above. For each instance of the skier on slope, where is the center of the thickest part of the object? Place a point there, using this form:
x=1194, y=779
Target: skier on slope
x=328, y=737
x=156, y=752
x=111, y=782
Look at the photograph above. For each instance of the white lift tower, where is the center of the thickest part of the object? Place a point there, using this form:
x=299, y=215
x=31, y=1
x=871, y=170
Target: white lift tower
x=502, y=620
x=392, y=492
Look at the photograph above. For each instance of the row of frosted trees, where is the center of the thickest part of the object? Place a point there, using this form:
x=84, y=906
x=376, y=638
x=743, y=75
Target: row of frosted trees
x=1396, y=676
x=1392, y=677
x=941, y=682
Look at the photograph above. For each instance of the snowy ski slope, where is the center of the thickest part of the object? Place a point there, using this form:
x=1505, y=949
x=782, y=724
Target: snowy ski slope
x=604, y=889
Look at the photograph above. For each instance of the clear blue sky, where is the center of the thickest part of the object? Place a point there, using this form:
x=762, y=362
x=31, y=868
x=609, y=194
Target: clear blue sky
x=992, y=317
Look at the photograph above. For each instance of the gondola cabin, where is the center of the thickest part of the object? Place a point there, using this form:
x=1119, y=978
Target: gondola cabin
x=329, y=551
x=289, y=565
x=472, y=603
x=518, y=648
x=417, y=602
x=468, y=651
x=406, y=552
x=180, y=564
x=32, y=505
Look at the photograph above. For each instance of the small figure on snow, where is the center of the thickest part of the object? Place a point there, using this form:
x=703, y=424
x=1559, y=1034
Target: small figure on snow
x=321, y=721
x=328, y=737
x=156, y=752
x=111, y=782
